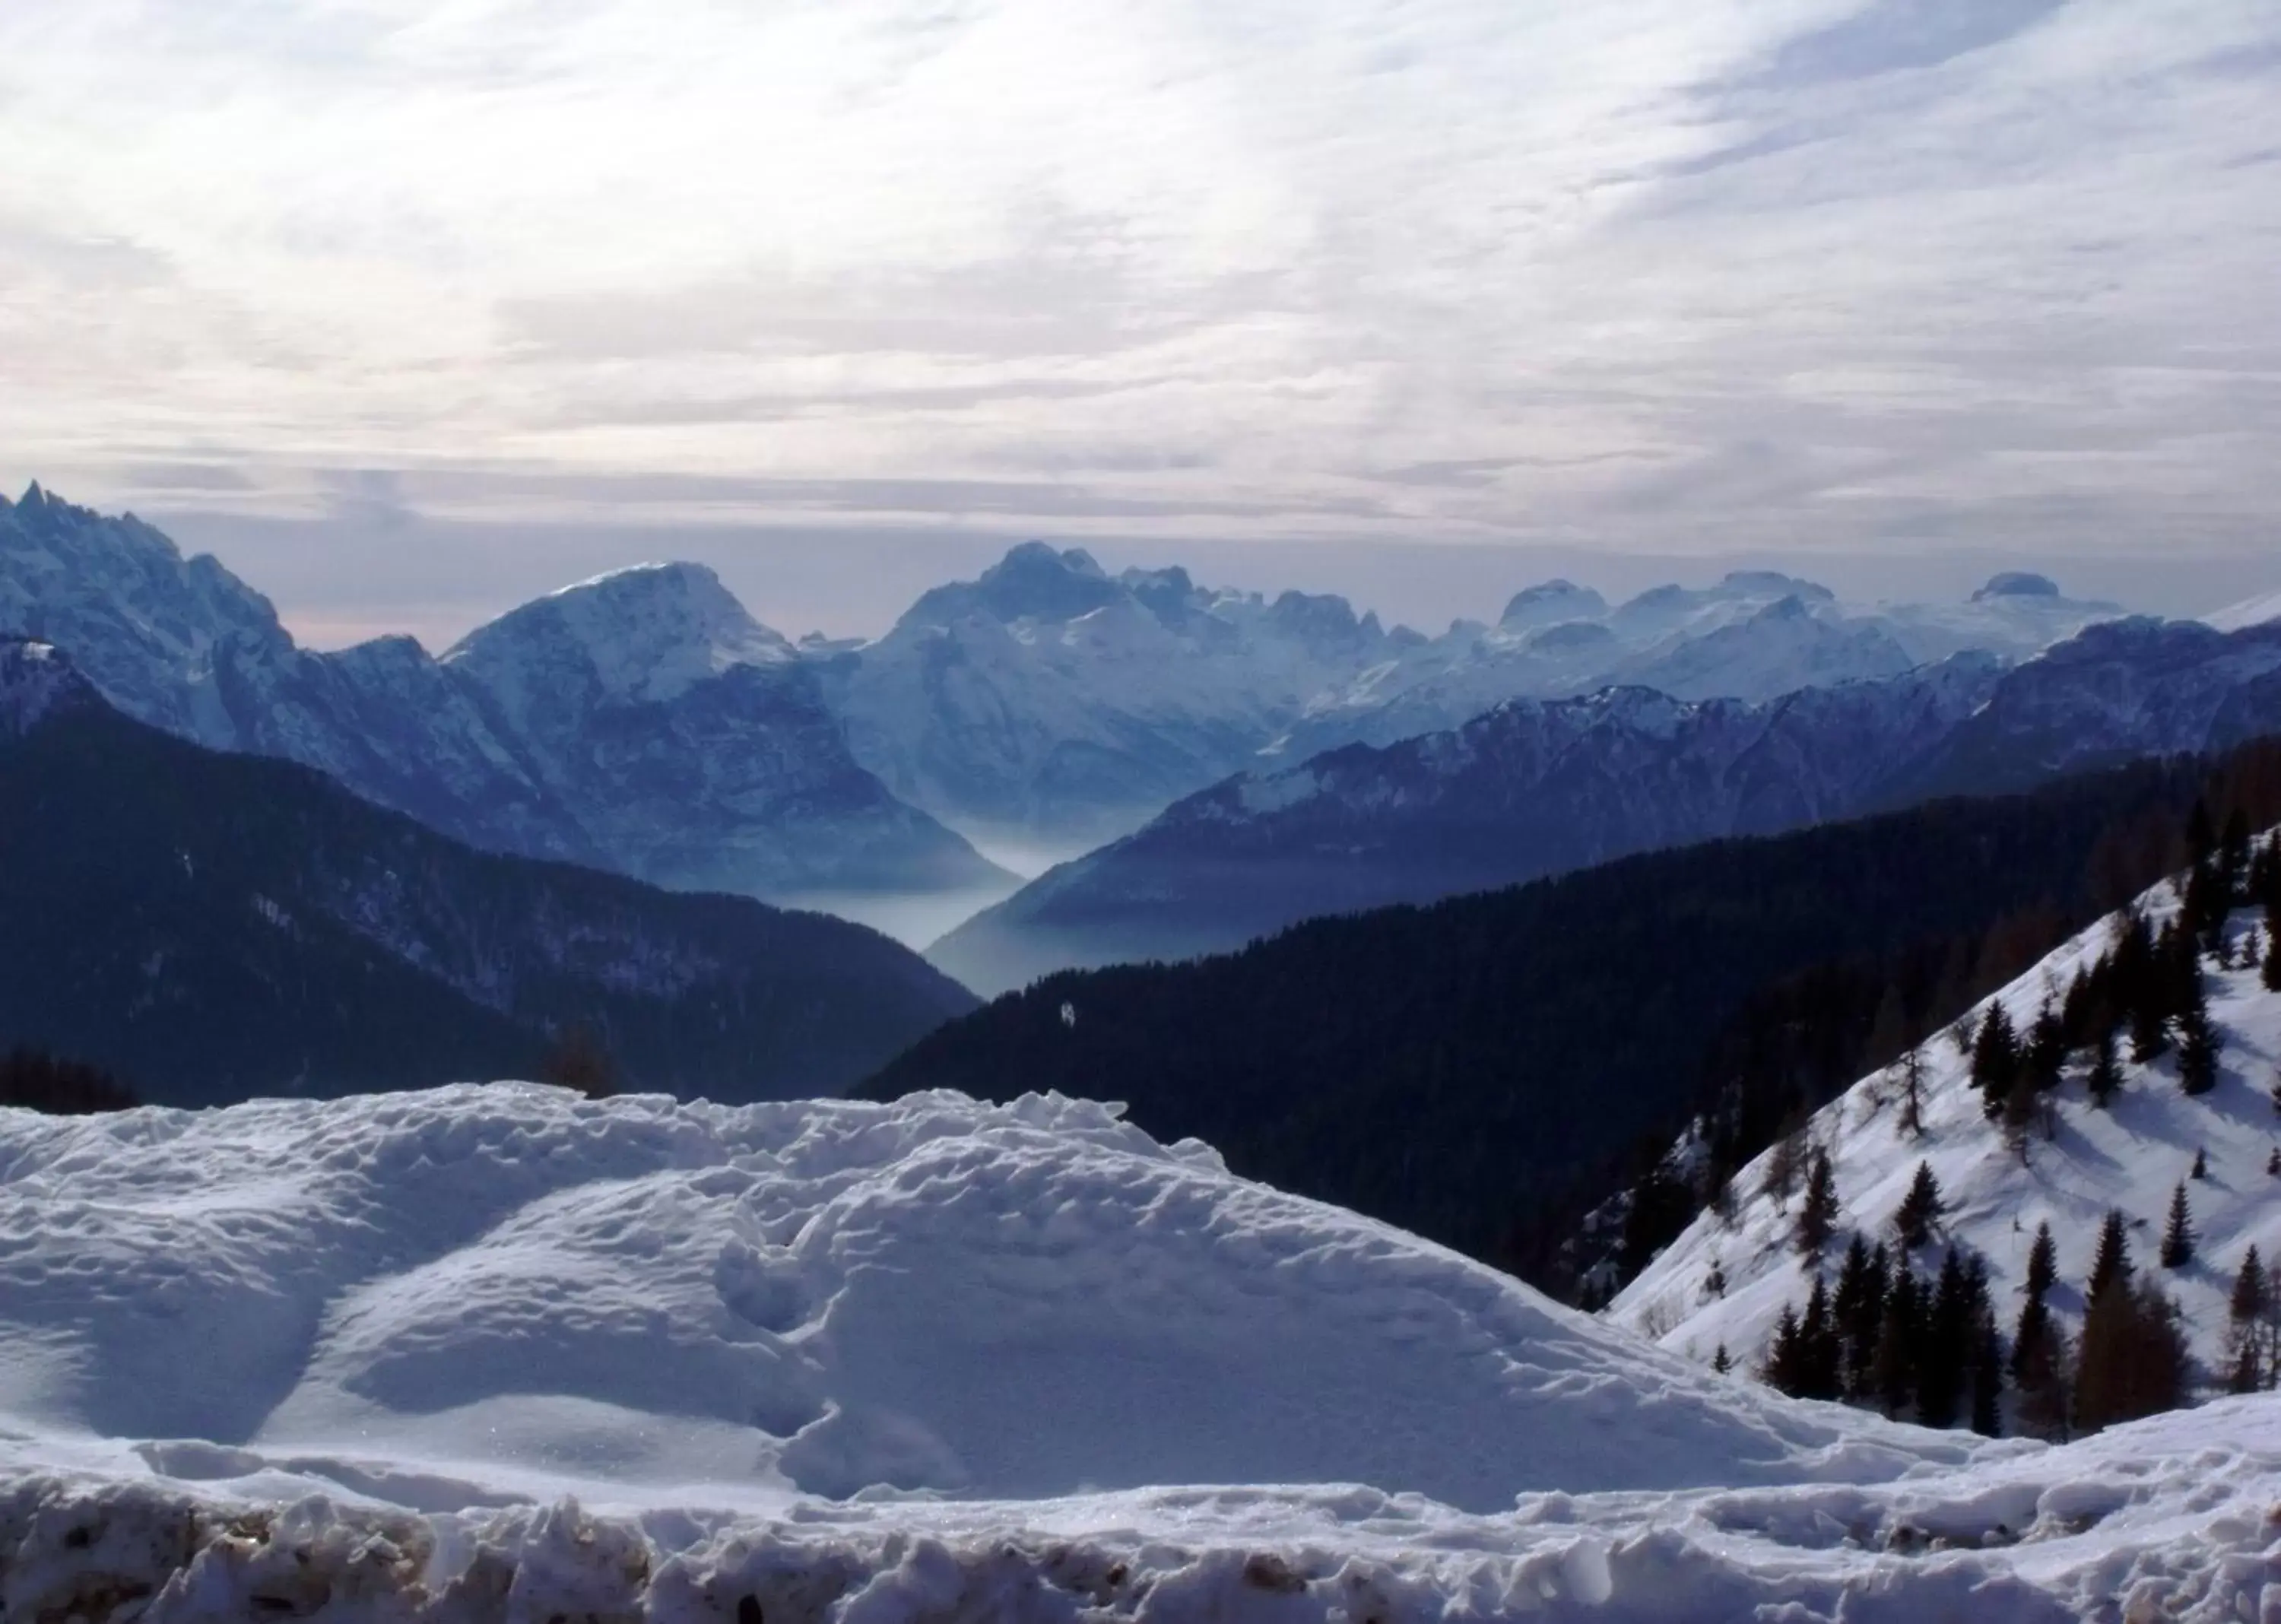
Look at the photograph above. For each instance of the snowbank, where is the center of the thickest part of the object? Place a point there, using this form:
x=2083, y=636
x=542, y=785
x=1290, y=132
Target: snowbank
x=502, y=1353
x=2172, y=1518
x=513, y=1287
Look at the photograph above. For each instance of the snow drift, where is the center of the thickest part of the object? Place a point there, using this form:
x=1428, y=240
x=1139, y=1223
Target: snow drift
x=502, y=1353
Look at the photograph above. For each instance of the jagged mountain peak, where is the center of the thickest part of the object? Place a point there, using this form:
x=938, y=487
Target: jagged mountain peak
x=650, y=632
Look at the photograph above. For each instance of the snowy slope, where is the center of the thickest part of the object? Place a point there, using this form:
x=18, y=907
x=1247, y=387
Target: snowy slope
x=349, y=1360
x=507, y=1282
x=2250, y=611
x=2128, y=1157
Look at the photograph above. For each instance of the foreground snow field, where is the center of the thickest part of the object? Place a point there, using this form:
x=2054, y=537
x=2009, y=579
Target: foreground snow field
x=944, y=1360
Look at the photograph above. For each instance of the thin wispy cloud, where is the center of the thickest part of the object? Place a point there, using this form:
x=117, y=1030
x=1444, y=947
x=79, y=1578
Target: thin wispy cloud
x=1666, y=276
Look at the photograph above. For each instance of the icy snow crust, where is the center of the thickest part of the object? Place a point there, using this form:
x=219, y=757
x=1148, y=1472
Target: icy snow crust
x=501, y=1353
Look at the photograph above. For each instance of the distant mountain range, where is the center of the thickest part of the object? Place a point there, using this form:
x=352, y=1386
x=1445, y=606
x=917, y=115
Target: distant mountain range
x=1537, y=787
x=642, y=722
x=1053, y=703
x=214, y=925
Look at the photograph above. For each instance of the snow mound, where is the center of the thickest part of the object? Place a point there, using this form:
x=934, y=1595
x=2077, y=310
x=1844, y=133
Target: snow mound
x=2086, y=1161
x=2250, y=611
x=2169, y=1519
x=513, y=1289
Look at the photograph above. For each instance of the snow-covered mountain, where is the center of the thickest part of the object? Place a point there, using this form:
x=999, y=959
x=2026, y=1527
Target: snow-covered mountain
x=1537, y=787
x=1051, y=704
x=217, y=925
x=696, y=746
x=938, y=1360
x=1753, y=635
x=1726, y=1280
x=2257, y=611
x=1533, y=787
x=642, y=722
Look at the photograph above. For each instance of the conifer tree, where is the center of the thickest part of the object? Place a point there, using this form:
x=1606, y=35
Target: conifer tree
x=2245, y=1314
x=2201, y=1164
x=2273, y=1162
x=2178, y=1234
x=2133, y=1361
x=2110, y=1265
x=1913, y=1091
x=1784, y=1364
x=1817, y=1214
x=1714, y=1283
x=2269, y=975
x=1920, y=1210
x=1946, y=1354
x=2197, y=1046
x=1720, y=1362
x=1818, y=1351
x=1988, y=1382
x=1995, y=1060
x=1894, y=1370
x=2105, y=1070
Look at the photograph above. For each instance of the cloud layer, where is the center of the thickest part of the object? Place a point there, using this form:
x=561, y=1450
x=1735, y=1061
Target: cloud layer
x=1662, y=276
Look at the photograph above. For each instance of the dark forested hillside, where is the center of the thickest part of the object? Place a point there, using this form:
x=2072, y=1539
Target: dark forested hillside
x=215, y=926
x=1472, y=1069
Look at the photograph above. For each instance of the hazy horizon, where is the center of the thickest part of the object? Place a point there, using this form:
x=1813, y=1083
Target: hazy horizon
x=1349, y=297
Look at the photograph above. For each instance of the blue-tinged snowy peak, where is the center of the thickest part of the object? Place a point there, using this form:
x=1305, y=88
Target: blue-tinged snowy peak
x=2260, y=611
x=2078, y=1163
x=707, y=760
x=147, y=625
x=1073, y=1374
x=696, y=746
x=1048, y=703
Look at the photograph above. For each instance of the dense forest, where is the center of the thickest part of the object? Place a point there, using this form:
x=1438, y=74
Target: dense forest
x=1486, y=1070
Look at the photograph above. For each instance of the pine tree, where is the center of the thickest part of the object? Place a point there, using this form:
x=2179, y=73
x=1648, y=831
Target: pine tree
x=1988, y=1382
x=1893, y=1372
x=2039, y=1355
x=1920, y=1210
x=2273, y=1162
x=2269, y=975
x=1944, y=1359
x=1912, y=1092
x=2178, y=1234
x=1714, y=1283
x=2105, y=1071
x=1720, y=1362
x=2133, y=1361
x=2197, y=1046
x=1995, y=1060
x=2110, y=1265
x=1817, y=1214
x=2043, y=1261
x=2245, y=1314
x=1784, y=1370
x=2201, y=1164
x=1818, y=1349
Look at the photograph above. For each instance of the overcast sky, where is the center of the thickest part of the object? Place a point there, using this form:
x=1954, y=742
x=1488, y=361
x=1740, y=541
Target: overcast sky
x=408, y=309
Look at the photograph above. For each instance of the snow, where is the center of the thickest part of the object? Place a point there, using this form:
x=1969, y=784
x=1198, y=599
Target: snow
x=2250, y=611
x=499, y=1352
x=2128, y=1156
